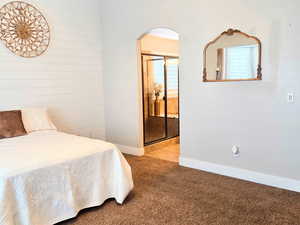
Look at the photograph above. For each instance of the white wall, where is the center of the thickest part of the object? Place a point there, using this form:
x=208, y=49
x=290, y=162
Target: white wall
x=214, y=116
x=161, y=46
x=68, y=77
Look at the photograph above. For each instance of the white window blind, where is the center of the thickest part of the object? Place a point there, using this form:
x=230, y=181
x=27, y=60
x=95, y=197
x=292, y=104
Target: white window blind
x=241, y=62
x=159, y=75
x=172, y=79
x=172, y=74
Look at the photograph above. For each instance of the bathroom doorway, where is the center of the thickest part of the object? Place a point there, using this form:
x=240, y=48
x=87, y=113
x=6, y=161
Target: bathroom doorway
x=160, y=92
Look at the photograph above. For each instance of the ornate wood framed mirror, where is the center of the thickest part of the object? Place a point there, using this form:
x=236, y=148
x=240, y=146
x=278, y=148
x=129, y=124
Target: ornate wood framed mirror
x=232, y=56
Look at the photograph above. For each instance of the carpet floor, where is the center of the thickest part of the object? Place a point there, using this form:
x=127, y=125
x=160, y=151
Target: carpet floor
x=166, y=193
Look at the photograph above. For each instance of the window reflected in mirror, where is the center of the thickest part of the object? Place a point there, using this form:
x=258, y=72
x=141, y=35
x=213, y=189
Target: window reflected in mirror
x=233, y=56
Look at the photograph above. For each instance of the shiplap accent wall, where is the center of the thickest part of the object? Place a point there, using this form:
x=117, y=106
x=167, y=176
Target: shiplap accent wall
x=68, y=77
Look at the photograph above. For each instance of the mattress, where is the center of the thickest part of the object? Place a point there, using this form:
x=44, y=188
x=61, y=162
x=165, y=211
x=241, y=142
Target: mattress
x=48, y=176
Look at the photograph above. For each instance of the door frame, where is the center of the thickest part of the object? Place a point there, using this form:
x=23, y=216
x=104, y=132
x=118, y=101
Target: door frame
x=165, y=57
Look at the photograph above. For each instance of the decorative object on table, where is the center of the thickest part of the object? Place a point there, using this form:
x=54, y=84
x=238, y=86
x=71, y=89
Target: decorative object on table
x=24, y=29
x=157, y=90
x=218, y=73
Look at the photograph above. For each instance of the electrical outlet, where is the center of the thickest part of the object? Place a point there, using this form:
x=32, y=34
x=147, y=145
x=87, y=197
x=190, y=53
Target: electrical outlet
x=236, y=151
x=290, y=98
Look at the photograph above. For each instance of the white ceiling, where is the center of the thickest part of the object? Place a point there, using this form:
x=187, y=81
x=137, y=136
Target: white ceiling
x=164, y=33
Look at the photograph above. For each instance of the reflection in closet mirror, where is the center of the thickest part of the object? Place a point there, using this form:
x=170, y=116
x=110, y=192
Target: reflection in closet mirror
x=232, y=56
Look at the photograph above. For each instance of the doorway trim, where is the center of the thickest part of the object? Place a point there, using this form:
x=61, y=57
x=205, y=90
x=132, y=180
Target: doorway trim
x=140, y=137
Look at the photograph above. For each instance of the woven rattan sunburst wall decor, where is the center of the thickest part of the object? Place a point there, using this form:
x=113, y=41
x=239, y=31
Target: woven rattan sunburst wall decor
x=24, y=29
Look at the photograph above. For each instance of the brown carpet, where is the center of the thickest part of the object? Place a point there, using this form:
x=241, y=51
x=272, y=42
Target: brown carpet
x=165, y=193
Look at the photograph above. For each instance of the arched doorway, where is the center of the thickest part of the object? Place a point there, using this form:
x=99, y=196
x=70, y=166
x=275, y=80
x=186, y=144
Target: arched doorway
x=159, y=50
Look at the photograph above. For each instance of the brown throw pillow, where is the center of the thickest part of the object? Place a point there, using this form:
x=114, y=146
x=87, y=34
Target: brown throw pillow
x=11, y=124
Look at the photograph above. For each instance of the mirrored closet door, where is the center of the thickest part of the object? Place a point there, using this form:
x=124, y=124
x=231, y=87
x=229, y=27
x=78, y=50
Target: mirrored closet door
x=160, y=97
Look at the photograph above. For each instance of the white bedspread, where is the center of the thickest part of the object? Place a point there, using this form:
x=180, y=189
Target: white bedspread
x=47, y=177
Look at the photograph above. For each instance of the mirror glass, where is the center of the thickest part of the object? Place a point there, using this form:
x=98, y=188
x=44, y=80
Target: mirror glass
x=232, y=56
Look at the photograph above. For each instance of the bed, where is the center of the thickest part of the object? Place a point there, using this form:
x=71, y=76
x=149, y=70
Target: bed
x=48, y=176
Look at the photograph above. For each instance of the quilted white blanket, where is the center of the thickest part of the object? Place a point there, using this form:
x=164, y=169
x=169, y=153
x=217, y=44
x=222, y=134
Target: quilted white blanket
x=47, y=177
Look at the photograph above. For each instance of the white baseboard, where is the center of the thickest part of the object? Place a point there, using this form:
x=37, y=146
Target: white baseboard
x=131, y=150
x=270, y=180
